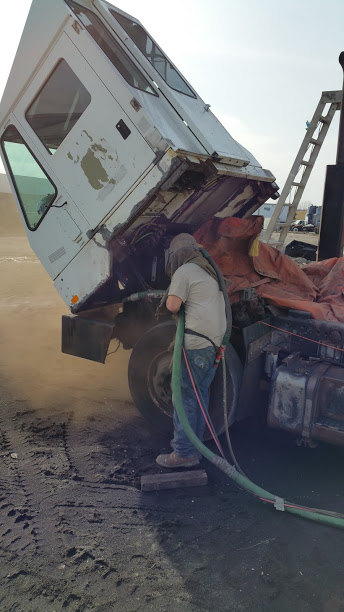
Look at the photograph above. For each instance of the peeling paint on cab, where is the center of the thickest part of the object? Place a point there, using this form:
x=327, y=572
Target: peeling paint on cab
x=98, y=147
x=94, y=171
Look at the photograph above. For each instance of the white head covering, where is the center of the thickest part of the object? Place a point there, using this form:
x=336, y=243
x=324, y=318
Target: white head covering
x=182, y=248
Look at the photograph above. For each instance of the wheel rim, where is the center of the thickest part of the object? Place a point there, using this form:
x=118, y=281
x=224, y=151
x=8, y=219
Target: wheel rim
x=150, y=380
x=159, y=382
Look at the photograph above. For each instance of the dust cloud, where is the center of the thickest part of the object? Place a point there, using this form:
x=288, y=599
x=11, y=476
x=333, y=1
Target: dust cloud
x=31, y=363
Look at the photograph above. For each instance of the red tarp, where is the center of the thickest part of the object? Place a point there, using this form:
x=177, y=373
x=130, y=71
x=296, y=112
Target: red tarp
x=317, y=287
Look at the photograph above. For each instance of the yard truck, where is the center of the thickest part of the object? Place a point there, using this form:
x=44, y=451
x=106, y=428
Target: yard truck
x=110, y=152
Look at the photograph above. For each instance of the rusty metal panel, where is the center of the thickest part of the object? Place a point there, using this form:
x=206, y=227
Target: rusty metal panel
x=86, y=338
x=331, y=394
x=307, y=398
x=288, y=399
x=253, y=396
x=329, y=410
x=316, y=339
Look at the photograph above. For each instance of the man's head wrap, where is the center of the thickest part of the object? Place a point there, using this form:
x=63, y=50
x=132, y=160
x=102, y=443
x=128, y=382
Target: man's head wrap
x=184, y=249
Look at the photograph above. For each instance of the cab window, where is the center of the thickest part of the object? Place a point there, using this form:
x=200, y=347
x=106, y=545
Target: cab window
x=35, y=191
x=154, y=54
x=58, y=106
x=111, y=48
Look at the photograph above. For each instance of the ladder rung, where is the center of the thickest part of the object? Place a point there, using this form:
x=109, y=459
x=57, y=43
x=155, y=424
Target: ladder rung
x=306, y=163
x=314, y=141
x=298, y=184
x=325, y=120
x=282, y=224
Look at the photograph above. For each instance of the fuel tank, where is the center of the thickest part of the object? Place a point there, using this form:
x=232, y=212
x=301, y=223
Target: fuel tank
x=307, y=399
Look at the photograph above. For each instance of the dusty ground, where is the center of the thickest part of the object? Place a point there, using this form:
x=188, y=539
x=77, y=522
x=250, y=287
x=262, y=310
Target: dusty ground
x=76, y=532
x=309, y=237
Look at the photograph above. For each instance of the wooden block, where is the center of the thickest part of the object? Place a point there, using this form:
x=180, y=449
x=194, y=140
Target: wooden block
x=173, y=480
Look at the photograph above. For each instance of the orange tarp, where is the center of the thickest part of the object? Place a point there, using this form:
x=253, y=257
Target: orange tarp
x=317, y=288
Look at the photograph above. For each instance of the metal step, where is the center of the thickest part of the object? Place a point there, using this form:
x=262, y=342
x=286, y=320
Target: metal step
x=325, y=120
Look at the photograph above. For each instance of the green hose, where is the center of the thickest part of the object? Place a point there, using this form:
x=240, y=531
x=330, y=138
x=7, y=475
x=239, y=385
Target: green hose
x=226, y=467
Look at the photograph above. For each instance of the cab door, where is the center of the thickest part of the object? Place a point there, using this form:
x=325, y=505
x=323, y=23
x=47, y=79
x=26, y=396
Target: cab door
x=82, y=132
x=54, y=226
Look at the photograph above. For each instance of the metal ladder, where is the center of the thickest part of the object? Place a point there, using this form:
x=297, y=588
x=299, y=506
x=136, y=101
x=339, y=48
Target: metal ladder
x=294, y=186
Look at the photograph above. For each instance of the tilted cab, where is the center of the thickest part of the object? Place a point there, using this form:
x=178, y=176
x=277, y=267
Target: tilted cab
x=104, y=141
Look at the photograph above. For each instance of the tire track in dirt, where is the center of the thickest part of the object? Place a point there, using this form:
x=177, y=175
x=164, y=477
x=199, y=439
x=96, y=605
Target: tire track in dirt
x=105, y=500
x=17, y=514
x=112, y=530
x=105, y=449
x=95, y=538
x=36, y=476
x=28, y=508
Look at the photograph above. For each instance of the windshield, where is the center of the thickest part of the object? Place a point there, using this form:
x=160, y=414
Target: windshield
x=154, y=54
x=111, y=48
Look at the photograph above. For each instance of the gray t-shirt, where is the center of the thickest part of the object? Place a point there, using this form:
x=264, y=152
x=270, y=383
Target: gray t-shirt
x=203, y=302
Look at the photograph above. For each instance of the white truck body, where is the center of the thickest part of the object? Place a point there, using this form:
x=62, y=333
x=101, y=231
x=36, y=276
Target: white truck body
x=101, y=135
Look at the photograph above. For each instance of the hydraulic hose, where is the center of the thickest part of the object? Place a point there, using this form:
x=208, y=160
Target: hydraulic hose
x=225, y=415
x=222, y=464
x=142, y=295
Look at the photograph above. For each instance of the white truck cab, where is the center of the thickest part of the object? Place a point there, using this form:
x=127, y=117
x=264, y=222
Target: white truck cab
x=102, y=139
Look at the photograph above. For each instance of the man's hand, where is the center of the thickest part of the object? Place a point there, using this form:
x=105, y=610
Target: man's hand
x=173, y=303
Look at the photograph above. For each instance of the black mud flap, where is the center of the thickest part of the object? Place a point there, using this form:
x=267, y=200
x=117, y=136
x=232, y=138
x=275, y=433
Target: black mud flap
x=86, y=338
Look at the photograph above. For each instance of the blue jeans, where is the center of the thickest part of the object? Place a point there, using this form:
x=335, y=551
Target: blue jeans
x=201, y=363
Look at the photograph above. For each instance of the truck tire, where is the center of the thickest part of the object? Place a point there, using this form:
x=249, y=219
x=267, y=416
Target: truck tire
x=150, y=380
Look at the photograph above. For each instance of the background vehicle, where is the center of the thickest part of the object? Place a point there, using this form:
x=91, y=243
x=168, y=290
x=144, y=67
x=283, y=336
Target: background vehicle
x=298, y=225
x=308, y=227
x=110, y=152
x=314, y=217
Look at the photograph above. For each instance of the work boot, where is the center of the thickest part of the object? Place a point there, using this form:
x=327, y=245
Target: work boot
x=175, y=461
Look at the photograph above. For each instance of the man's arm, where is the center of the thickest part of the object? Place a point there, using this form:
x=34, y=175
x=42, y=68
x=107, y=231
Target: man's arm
x=173, y=303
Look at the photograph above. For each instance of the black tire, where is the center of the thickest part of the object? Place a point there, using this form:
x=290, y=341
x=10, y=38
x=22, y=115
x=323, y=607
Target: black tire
x=150, y=380
x=149, y=377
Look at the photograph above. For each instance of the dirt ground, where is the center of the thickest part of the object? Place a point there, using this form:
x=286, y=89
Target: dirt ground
x=78, y=535
x=309, y=237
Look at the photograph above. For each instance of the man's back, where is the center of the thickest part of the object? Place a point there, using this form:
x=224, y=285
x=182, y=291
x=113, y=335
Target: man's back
x=204, y=305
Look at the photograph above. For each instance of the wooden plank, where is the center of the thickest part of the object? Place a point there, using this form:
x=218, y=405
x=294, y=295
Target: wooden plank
x=173, y=480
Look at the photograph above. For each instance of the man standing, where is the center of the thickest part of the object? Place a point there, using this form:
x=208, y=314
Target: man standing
x=194, y=284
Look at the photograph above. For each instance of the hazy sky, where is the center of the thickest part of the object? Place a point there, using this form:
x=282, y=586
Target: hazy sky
x=261, y=64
